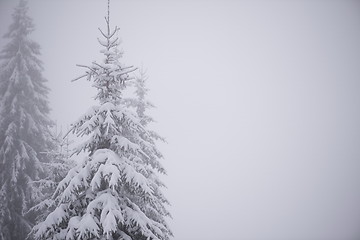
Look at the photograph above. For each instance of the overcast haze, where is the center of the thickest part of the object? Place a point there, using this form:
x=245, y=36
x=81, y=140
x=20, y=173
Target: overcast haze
x=259, y=102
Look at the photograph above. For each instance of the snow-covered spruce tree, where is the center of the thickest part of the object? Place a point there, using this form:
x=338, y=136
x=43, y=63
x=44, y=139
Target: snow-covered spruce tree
x=24, y=124
x=141, y=104
x=55, y=170
x=114, y=193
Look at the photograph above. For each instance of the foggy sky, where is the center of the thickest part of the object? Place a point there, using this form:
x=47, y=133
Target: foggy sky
x=259, y=102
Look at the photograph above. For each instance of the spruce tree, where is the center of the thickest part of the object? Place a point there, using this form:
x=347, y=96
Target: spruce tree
x=114, y=193
x=140, y=103
x=24, y=124
x=55, y=170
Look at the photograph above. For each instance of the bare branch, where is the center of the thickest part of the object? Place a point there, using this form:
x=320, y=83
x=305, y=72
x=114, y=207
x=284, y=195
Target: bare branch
x=84, y=66
x=102, y=33
x=115, y=30
x=79, y=78
x=71, y=129
x=114, y=42
x=91, y=69
x=99, y=65
x=130, y=71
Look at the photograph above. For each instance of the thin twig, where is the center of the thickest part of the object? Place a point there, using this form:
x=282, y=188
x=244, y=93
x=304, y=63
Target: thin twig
x=71, y=129
x=99, y=65
x=78, y=78
x=132, y=70
x=91, y=69
x=115, y=30
x=105, y=36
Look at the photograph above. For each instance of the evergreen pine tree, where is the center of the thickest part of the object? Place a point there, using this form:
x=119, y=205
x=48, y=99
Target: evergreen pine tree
x=114, y=193
x=24, y=124
x=55, y=170
x=140, y=103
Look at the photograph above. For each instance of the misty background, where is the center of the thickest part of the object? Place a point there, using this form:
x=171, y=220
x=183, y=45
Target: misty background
x=259, y=102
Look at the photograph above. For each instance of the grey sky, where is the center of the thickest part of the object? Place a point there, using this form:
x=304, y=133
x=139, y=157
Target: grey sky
x=259, y=102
